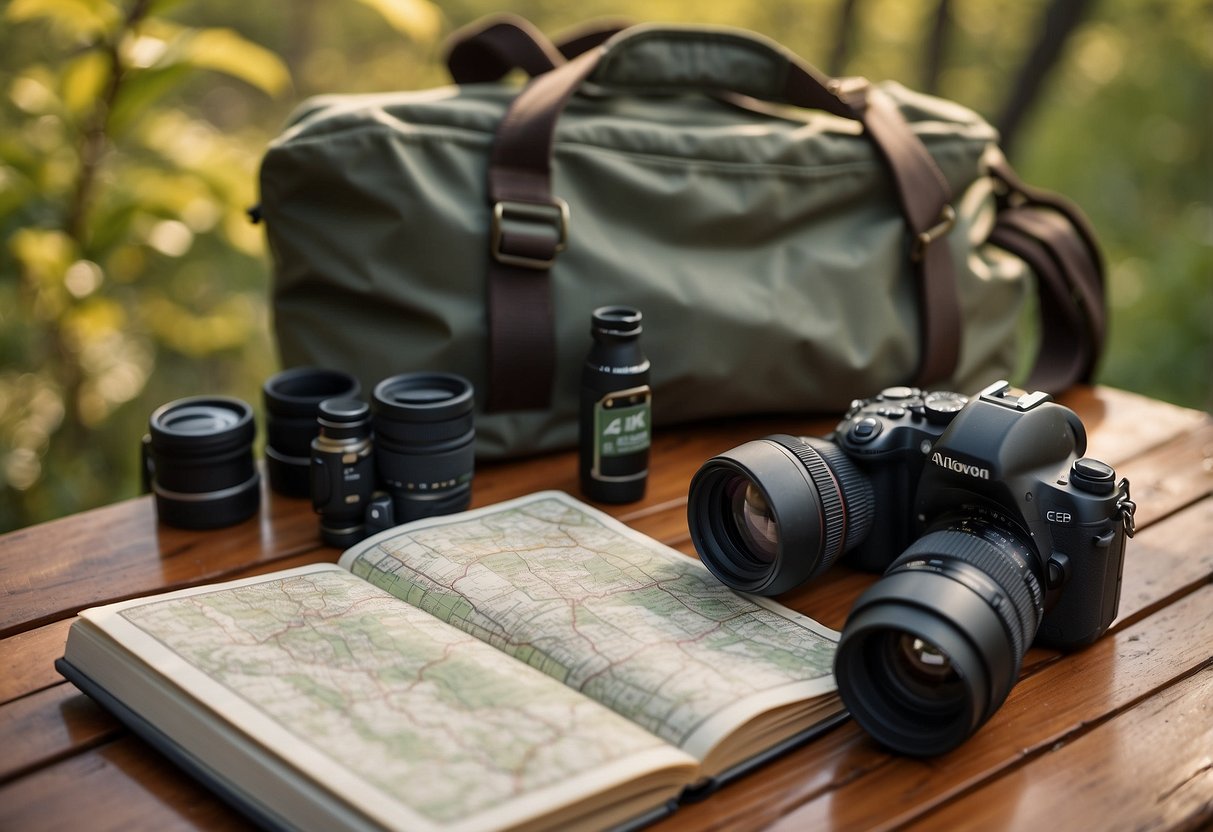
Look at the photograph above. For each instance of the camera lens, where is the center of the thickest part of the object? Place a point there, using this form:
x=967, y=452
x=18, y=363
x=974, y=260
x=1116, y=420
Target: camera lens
x=770, y=514
x=198, y=461
x=424, y=450
x=292, y=402
x=343, y=475
x=932, y=649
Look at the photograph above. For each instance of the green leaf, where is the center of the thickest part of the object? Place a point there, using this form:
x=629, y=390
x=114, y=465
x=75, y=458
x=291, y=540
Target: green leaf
x=78, y=17
x=225, y=51
x=139, y=90
x=83, y=80
x=420, y=20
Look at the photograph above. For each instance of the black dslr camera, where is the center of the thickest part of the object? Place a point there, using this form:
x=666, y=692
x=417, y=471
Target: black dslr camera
x=993, y=528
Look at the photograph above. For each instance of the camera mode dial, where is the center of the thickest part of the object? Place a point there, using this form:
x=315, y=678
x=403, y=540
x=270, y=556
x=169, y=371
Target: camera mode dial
x=941, y=407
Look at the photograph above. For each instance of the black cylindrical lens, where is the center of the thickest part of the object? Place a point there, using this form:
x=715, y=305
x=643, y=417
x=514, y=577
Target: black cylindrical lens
x=343, y=472
x=932, y=649
x=424, y=434
x=770, y=514
x=292, y=402
x=198, y=457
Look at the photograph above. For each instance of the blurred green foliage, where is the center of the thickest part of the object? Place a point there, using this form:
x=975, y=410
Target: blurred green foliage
x=131, y=131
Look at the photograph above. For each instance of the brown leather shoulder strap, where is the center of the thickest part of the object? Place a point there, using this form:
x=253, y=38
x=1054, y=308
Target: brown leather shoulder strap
x=1055, y=239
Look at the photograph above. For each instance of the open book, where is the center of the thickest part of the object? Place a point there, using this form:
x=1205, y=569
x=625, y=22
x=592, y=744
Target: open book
x=533, y=663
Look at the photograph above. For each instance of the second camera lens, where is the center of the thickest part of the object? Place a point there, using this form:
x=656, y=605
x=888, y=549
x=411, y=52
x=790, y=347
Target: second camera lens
x=292, y=402
x=424, y=443
x=932, y=649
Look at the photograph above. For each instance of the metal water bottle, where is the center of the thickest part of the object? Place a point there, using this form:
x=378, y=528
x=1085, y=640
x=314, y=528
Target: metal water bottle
x=615, y=409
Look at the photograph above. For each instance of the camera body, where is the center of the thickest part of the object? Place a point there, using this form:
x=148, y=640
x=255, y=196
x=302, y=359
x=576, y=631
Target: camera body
x=1006, y=459
x=1014, y=461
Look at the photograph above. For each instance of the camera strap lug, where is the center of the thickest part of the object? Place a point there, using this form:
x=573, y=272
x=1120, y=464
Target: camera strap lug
x=1126, y=507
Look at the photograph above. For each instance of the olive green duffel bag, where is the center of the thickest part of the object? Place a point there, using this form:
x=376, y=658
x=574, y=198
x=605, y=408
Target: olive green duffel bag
x=793, y=241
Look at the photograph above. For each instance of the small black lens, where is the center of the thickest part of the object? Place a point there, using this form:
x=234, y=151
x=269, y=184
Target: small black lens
x=770, y=514
x=424, y=443
x=342, y=470
x=198, y=461
x=292, y=402
x=932, y=649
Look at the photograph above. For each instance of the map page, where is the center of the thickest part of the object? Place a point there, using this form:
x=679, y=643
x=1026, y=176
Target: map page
x=625, y=620
x=416, y=723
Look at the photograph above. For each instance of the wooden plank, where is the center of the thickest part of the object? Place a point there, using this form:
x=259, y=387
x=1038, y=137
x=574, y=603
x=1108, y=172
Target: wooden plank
x=1165, y=561
x=1050, y=707
x=1172, y=475
x=121, y=786
x=1121, y=424
x=28, y=659
x=54, y=570
x=48, y=726
x=1151, y=767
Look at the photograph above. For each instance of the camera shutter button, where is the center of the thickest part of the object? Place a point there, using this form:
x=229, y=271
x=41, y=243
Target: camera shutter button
x=865, y=430
x=1093, y=476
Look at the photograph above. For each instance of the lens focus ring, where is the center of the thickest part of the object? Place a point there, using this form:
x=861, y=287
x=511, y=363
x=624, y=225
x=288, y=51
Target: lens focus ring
x=858, y=502
x=1021, y=611
x=829, y=492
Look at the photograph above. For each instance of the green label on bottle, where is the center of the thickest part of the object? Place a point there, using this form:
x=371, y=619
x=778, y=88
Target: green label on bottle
x=621, y=423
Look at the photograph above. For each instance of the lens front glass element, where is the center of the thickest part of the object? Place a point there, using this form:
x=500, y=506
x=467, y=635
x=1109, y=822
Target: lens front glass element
x=421, y=396
x=754, y=527
x=920, y=673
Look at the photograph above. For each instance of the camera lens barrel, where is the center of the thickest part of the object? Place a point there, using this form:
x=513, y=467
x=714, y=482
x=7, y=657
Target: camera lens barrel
x=770, y=514
x=198, y=462
x=424, y=442
x=342, y=470
x=932, y=649
x=292, y=401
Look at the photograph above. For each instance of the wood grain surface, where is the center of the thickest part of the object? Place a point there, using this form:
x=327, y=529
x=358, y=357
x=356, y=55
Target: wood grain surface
x=1115, y=736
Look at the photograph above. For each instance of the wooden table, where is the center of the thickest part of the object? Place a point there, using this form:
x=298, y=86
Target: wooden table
x=1117, y=736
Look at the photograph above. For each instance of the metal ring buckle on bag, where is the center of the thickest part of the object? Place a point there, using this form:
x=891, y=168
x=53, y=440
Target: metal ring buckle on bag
x=555, y=216
x=947, y=219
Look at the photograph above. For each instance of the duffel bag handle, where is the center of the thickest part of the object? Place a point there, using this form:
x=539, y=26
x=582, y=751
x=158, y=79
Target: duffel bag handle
x=521, y=327
x=489, y=48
